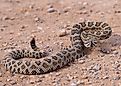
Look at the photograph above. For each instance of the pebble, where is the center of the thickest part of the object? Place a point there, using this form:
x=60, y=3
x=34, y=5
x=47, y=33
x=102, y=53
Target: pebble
x=105, y=50
x=115, y=52
x=23, y=27
x=97, y=67
x=62, y=33
x=83, y=12
x=22, y=76
x=73, y=84
x=69, y=77
x=32, y=81
x=77, y=83
x=94, y=68
x=117, y=78
x=13, y=83
x=84, y=3
x=58, y=73
x=2, y=29
x=38, y=80
x=39, y=28
x=65, y=10
x=8, y=80
x=5, y=18
x=106, y=77
x=5, y=44
x=101, y=55
x=51, y=10
x=81, y=61
x=37, y=19
x=42, y=76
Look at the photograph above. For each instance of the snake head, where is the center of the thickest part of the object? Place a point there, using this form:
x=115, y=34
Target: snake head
x=91, y=37
x=106, y=33
x=90, y=42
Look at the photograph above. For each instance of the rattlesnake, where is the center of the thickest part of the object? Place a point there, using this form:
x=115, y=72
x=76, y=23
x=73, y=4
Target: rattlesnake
x=83, y=35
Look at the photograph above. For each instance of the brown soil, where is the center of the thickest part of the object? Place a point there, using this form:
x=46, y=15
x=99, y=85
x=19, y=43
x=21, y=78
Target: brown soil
x=46, y=19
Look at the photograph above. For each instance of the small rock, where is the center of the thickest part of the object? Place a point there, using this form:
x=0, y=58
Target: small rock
x=117, y=78
x=80, y=82
x=65, y=10
x=105, y=77
x=22, y=76
x=39, y=28
x=42, y=76
x=85, y=3
x=23, y=26
x=105, y=50
x=5, y=18
x=101, y=55
x=37, y=19
x=94, y=68
x=32, y=80
x=57, y=74
x=13, y=82
x=74, y=84
x=97, y=67
x=34, y=31
x=83, y=12
x=81, y=61
x=38, y=80
x=8, y=80
x=51, y=10
x=62, y=33
x=77, y=83
x=115, y=52
x=31, y=6
x=2, y=29
x=5, y=44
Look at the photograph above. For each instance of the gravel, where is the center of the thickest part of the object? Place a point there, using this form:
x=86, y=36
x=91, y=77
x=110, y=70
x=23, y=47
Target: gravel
x=50, y=22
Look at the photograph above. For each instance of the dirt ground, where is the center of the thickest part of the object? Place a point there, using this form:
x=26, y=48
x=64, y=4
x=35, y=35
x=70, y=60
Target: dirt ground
x=46, y=19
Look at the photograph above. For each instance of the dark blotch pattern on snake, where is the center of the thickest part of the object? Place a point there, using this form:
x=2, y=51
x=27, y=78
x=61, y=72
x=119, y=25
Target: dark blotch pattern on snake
x=83, y=35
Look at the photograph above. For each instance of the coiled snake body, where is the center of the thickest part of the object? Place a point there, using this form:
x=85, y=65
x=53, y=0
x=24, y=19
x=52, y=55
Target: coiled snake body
x=83, y=35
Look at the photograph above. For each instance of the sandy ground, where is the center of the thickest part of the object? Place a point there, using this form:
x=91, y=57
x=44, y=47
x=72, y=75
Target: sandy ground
x=46, y=19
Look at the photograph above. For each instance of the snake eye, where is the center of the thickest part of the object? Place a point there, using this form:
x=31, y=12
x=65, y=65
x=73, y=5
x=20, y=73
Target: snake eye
x=87, y=44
